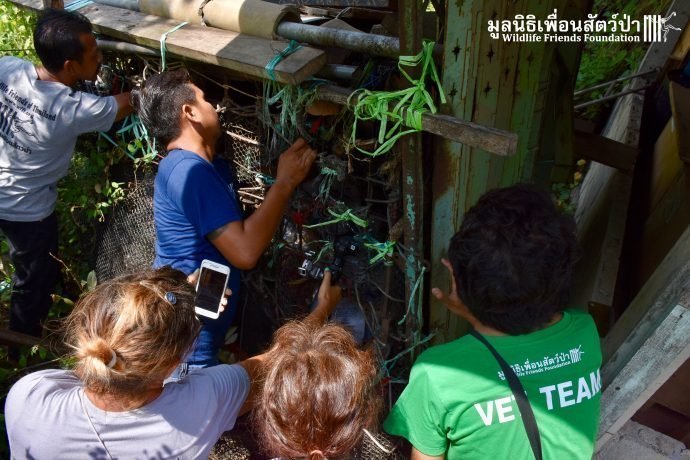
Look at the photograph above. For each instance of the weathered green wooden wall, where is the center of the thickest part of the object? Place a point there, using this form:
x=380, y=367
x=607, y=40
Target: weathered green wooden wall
x=523, y=87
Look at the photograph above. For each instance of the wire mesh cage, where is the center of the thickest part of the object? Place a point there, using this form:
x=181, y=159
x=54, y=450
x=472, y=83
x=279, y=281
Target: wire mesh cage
x=127, y=242
x=239, y=444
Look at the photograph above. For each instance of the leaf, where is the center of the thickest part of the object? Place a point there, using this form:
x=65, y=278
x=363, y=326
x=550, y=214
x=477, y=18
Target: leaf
x=231, y=336
x=91, y=281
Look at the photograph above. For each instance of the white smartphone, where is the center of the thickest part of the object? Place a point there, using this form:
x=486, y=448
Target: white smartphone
x=210, y=288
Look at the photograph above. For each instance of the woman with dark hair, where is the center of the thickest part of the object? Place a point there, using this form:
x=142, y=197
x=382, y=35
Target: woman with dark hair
x=127, y=335
x=319, y=393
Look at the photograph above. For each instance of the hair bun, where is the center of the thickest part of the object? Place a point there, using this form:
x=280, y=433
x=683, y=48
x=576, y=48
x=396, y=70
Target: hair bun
x=98, y=349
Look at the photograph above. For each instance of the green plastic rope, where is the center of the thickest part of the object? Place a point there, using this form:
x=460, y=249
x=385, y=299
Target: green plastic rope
x=265, y=179
x=388, y=364
x=401, y=108
x=143, y=141
x=415, y=289
x=383, y=251
x=330, y=175
x=270, y=67
x=164, y=37
x=346, y=216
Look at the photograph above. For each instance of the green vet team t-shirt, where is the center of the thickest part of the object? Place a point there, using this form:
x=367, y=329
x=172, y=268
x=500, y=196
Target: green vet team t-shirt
x=458, y=402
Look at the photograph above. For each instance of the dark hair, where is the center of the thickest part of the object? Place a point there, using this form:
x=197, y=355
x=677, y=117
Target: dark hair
x=142, y=323
x=159, y=103
x=318, y=393
x=513, y=259
x=57, y=37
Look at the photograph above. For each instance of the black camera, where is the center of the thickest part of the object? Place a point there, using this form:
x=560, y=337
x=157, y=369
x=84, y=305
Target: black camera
x=342, y=247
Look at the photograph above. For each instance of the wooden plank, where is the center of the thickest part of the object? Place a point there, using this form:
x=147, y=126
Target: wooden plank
x=666, y=164
x=664, y=289
x=680, y=106
x=673, y=394
x=12, y=338
x=660, y=351
x=496, y=141
x=670, y=217
x=607, y=272
x=606, y=151
x=242, y=53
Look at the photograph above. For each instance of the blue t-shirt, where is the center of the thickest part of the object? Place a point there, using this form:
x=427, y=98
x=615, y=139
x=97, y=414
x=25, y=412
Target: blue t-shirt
x=192, y=198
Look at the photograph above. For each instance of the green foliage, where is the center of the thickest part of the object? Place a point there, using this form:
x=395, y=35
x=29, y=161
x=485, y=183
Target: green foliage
x=16, y=28
x=85, y=196
x=603, y=61
x=563, y=192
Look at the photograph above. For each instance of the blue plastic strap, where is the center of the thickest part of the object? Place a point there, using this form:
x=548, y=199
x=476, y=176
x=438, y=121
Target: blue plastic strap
x=77, y=5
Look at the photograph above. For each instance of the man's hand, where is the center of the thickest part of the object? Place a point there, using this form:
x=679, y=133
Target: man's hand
x=294, y=163
x=328, y=298
x=329, y=295
x=451, y=301
x=243, y=242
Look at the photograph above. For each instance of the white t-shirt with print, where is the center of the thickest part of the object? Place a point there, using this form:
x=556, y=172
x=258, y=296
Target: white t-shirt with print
x=39, y=125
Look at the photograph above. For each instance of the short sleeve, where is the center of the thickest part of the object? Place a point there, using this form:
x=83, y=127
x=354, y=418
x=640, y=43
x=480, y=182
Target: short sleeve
x=205, y=199
x=231, y=383
x=418, y=415
x=94, y=113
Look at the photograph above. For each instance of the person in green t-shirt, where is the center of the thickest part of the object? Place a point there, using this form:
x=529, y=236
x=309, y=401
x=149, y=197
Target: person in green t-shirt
x=511, y=265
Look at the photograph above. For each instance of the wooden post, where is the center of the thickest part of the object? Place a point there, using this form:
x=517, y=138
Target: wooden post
x=410, y=150
x=54, y=4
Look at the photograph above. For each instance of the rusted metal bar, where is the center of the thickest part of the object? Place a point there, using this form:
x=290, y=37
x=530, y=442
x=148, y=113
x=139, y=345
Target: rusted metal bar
x=378, y=45
x=492, y=140
x=362, y=42
x=617, y=80
x=611, y=97
x=125, y=47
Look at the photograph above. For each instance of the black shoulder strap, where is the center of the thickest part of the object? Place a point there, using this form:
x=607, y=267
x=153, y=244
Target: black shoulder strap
x=520, y=398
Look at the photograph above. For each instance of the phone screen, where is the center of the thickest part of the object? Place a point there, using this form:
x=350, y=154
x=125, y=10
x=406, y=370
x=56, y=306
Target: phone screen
x=210, y=289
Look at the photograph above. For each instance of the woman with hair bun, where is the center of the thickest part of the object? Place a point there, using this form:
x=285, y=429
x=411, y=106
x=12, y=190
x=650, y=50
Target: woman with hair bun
x=319, y=393
x=127, y=336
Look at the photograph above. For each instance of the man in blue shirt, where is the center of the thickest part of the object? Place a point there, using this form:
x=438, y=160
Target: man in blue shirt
x=195, y=208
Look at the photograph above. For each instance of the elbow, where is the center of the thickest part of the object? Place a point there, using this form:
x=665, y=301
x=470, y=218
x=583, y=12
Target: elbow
x=245, y=261
x=245, y=265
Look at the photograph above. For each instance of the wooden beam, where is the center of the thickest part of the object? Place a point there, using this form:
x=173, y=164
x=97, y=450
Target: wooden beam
x=606, y=278
x=659, y=351
x=606, y=151
x=660, y=294
x=242, y=53
x=496, y=141
x=680, y=106
x=12, y=338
